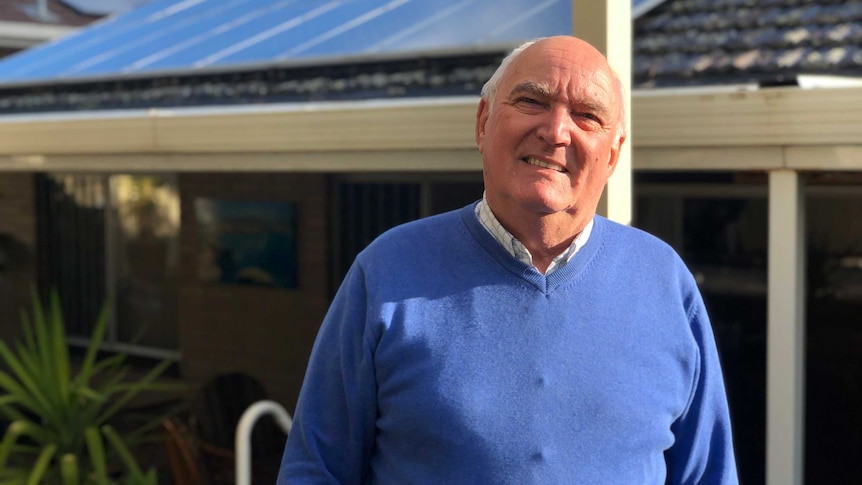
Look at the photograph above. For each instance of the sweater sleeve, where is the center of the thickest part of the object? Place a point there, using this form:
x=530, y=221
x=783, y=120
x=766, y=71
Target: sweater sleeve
x=332, y=437
x=702, y=452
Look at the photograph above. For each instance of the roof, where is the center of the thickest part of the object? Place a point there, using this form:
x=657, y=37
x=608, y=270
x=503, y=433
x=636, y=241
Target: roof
x=453, y=74
x=104, y=7
x=58, y=13
x=708, y=42
x=25, y=23
x=200, y=52
x=199, y=36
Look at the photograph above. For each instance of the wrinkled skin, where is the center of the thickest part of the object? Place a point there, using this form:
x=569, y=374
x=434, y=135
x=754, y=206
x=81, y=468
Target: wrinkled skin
x=550, y=138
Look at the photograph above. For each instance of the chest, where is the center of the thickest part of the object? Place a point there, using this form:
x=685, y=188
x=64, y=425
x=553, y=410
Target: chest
x=534, y=372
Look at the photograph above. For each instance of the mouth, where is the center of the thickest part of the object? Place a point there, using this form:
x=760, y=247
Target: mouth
x=538, y=163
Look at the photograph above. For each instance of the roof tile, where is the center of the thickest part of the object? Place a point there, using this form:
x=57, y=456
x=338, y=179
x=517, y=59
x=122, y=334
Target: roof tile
x=696, y=42
x=23, y=11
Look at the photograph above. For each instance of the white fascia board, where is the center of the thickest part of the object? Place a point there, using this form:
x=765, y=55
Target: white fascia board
x=758, y=130
x=421, y=124
x=727, y=158
x=393, y=161
x=766, y=117
x=817, y=81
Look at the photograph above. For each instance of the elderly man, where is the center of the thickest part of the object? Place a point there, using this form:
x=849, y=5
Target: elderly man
x=522, y=339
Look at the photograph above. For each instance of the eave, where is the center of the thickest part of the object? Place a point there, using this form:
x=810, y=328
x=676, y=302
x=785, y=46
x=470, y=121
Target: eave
x=818, y=129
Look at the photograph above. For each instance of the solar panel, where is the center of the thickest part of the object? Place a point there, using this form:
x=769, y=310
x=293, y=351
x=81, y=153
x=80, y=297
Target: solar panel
x=640, y=7
x=189, y=35
x=103, y=7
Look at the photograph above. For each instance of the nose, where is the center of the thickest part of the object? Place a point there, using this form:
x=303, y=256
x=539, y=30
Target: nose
x=556, y=127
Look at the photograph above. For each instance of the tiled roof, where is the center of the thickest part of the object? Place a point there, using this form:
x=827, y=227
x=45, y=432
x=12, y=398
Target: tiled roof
x=452, y=75
x=701, y=42
x=25, y=11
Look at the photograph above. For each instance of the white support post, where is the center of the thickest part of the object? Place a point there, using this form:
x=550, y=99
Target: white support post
x=785, y=364
x=607, y=25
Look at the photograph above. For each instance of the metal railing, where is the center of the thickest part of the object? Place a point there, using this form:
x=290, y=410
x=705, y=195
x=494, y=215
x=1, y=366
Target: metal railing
x=243, y=434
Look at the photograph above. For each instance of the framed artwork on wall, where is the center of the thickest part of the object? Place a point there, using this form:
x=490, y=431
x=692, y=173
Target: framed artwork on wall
x=246, y=242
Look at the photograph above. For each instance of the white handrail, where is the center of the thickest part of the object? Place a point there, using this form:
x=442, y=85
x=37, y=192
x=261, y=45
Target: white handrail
x=243, y=434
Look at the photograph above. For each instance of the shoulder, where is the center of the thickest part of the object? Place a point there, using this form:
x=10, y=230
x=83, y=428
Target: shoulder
x=639, y=256
x=419, y=239
x=628, y=240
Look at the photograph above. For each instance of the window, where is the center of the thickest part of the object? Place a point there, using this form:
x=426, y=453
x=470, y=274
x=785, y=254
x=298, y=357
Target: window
x=367, y=205
x=112, y=239
x=833, y=362
x=718, y=223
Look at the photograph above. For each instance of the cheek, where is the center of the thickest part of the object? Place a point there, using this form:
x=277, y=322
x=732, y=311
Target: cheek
x=599, y=155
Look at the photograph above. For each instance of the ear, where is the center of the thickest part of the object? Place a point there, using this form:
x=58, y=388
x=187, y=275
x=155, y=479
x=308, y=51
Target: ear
x=615, y=153
x=481, y=118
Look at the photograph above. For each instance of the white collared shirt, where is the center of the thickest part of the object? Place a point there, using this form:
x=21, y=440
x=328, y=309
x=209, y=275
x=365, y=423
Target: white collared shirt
x=517, y=249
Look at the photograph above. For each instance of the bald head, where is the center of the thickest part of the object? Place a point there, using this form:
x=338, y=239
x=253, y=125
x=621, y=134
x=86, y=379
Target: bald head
x=575, y=51
x=550, y=128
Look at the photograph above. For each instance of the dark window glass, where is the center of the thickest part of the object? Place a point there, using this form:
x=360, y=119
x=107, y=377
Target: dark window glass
x=833, y=406
x=112, y=240
x=71, y=245
x=721, y=233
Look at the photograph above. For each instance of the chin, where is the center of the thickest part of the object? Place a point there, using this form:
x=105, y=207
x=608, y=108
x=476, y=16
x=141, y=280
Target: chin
x=546, y=206
x=547, y=201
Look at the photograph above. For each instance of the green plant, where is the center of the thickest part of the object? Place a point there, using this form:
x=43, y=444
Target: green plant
x=63, y=416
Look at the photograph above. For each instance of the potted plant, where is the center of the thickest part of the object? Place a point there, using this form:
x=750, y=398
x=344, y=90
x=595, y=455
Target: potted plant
x=62, y=416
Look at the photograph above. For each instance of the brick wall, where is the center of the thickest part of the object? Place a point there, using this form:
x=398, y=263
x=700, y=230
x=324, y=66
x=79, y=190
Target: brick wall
x=264, y=332
x=18, y=236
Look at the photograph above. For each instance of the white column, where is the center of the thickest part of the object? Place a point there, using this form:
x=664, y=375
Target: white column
x=785, y=361
x=607, y=25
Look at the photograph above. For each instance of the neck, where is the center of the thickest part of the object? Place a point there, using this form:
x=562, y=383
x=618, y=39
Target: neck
x=545, y=236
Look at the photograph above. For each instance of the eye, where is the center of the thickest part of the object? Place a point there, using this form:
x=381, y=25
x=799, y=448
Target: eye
x=588, y=120
x=587, y=116
x=530, y=103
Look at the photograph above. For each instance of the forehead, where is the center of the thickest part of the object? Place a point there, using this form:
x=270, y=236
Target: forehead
x=567, y=69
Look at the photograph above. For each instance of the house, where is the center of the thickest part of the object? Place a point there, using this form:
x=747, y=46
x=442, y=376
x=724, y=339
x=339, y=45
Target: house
x=25, y=23
x=125, y=148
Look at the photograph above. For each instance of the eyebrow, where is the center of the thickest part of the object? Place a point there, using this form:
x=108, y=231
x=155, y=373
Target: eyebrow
x=532, y=87
x=545, y=91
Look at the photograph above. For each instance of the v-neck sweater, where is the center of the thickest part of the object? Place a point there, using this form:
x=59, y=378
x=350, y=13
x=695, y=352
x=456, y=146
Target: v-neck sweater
x=444, y=360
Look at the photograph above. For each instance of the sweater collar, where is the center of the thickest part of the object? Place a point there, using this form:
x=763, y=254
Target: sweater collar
x=517, y=249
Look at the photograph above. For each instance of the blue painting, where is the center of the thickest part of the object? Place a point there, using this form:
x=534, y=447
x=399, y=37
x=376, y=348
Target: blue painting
x=247, y=242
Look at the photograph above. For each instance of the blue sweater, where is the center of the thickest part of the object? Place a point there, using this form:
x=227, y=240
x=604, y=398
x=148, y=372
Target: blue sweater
x=444, y=360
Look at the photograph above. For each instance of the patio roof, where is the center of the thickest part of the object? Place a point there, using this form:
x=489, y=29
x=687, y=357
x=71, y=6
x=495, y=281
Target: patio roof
x=193, y=36
x=55, y=13
x=170, y=37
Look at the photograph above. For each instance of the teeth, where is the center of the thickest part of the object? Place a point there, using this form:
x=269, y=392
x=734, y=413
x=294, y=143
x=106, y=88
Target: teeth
x=539, y=163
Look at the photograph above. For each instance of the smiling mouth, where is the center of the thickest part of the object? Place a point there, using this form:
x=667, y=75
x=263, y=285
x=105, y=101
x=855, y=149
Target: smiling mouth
x=539, y=163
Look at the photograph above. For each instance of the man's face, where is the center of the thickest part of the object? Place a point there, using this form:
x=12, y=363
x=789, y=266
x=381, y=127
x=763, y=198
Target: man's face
x=549, y=138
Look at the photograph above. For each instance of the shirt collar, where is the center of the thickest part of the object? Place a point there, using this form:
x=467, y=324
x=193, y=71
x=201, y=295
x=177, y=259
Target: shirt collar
x=517, y=249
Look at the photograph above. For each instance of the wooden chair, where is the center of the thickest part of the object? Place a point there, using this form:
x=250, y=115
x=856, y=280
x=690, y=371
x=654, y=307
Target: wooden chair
x=184, y=455
x=214, y=415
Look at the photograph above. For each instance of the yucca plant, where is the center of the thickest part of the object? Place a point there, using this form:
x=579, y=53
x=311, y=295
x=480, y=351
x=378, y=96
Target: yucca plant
x=62, y=419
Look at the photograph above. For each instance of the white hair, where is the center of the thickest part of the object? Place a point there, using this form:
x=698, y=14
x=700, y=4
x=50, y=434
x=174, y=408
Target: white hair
x=489, y=89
